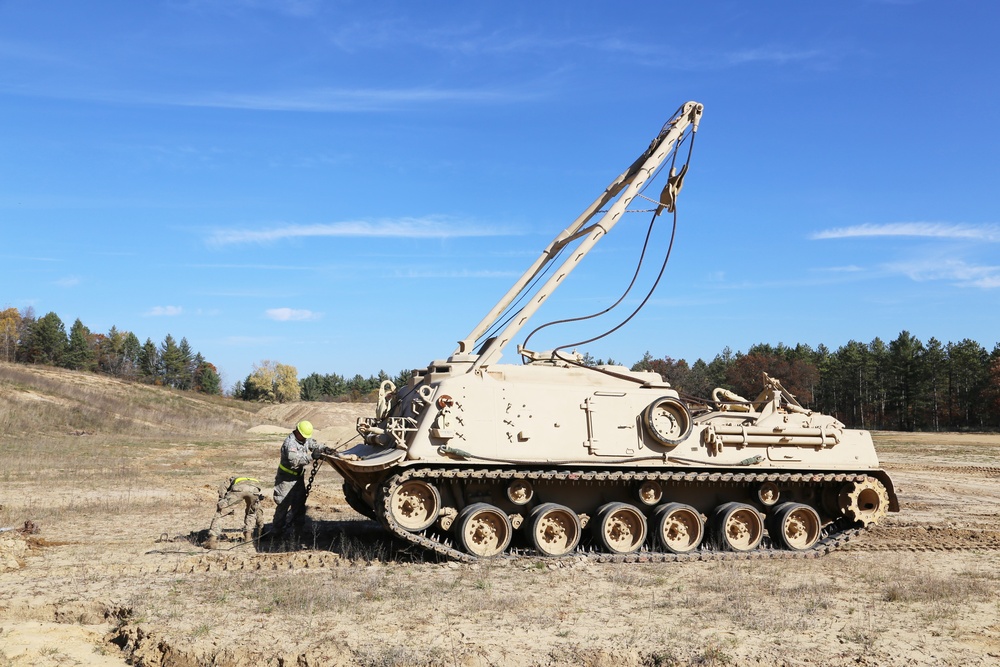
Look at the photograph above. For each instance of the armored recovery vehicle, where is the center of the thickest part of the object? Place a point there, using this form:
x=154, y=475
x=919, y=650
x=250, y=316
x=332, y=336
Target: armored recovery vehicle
x=473, y=459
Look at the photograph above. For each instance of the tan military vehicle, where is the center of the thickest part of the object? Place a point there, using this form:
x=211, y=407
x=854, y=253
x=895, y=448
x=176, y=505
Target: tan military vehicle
x=473, y=459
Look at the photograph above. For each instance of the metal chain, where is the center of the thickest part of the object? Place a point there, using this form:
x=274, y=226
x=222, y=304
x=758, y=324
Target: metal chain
x=312, y=476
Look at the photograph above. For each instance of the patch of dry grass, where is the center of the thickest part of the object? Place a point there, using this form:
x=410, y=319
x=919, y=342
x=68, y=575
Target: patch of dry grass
x=53, y=400
x=401, y=655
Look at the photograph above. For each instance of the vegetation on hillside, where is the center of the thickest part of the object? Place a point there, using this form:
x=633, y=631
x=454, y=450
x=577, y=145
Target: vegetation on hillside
x=27, y=339
x=37, y=401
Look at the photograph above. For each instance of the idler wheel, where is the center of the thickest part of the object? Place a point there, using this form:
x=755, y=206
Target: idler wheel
x=415, y=505
x=554, y=530
x=483, y=530
x=737, y=527
x=795, y=526
x=620, y=528
x=679, y=528
x=866, y=501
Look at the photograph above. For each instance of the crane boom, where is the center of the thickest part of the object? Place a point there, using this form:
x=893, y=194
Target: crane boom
x=621, y=191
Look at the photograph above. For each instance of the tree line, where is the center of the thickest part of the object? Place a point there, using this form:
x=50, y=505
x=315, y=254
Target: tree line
x=272, y=382
x=335, y=387
x=27, y=339
x=903, y=385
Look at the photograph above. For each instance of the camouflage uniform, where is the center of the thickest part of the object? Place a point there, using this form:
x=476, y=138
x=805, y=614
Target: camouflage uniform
x=289, y=485
x=238, y=490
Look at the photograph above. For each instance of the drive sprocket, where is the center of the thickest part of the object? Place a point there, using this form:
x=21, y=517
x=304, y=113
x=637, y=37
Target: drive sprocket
x=865, y=501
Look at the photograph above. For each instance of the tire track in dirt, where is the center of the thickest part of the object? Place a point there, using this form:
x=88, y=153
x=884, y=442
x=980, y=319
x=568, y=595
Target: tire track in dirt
x=926, y=538
x=980, y=471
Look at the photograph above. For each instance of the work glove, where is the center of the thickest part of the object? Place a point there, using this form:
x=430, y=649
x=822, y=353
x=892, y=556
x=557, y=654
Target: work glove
x=320, y=451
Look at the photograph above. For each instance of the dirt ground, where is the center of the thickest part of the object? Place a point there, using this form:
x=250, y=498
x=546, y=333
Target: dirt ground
x=111, y=577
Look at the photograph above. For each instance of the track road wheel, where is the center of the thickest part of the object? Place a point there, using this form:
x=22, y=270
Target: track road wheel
x=795, y=526
x=866, y=501
x=737, y=527
x=620, y=528
x=679, y=528
x=414, y=505
x=554, y=530
x=483, y=530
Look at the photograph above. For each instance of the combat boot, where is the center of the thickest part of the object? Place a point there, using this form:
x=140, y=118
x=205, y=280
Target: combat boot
x=211, y=543
x=247, y=536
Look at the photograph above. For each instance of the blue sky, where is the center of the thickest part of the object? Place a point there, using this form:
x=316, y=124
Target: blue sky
x=350, y=186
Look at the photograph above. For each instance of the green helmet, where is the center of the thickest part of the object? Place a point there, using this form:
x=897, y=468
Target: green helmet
x=304, y=428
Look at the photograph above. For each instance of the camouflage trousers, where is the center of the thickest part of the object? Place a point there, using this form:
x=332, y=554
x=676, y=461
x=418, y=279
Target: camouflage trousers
x=290, y=498
x=246, y=494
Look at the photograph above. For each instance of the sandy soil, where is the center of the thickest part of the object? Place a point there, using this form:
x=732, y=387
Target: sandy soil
x=111, y=577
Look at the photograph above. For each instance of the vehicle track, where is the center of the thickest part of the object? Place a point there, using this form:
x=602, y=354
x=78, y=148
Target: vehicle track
x=834, y=536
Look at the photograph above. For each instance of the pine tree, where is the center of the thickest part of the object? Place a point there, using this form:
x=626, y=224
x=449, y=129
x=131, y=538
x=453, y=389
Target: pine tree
x=149, y=362
x=79, y=356
x=172, y=362
x=206, y=378
x=46, y=341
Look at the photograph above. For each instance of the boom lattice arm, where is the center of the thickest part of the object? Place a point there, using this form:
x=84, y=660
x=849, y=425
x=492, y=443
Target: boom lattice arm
x=622, y=190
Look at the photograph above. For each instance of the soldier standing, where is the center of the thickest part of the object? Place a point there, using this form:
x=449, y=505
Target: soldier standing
x=246, y=490
x=297, y=451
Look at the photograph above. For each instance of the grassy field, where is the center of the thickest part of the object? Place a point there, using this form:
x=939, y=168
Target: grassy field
x=112, y=577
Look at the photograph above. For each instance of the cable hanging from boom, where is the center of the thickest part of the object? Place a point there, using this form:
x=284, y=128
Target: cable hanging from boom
x=668, y=201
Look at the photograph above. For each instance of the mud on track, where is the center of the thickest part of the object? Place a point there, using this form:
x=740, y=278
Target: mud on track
x=99, y=585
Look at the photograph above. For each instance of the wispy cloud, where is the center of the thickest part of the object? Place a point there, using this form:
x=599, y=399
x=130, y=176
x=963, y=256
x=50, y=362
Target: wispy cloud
x=957, y=271
x=990, y=233
x=168, y=311
x=28, y=258
x=412, y=228
x=347, y=100
x=416, y=273
x=778, y=56
x=68, y=281
x=850, y=268
x=293, y=8
x=254, y=267
x=472, y=39
x=296, y=8
x=29, y=52
x=319, y=100
x=248, y=341
x=290, y=315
